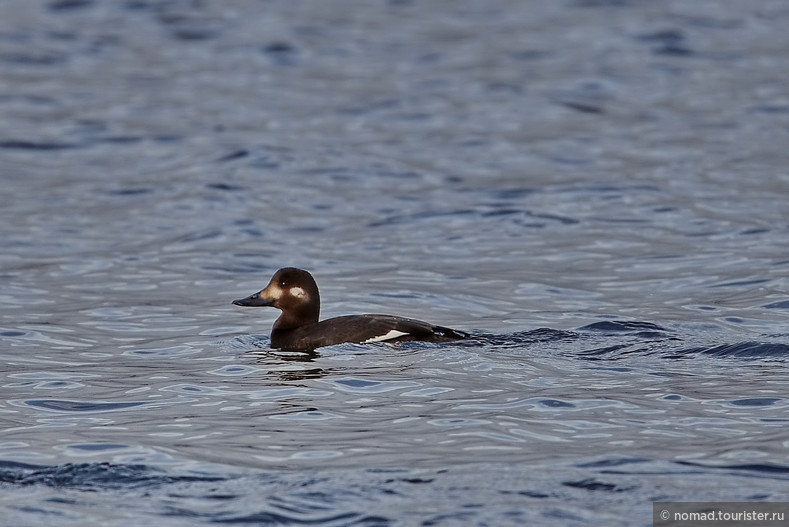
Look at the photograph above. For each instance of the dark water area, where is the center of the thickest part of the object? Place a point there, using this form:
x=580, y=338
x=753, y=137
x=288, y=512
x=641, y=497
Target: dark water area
x=596, y=190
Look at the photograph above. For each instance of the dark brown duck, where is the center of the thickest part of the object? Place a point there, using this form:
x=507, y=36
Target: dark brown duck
x=295, y=292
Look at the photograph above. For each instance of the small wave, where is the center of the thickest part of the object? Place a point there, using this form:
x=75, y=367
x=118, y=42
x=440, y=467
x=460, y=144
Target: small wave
x=313, y=507
x=19, y=144
x=765, y=468
x=519, y=338
x=616, y=340
x=743, y=349
x=594, y=484
x=645, y=329
x=62, y=405
x=273, y=518
x=87, y=476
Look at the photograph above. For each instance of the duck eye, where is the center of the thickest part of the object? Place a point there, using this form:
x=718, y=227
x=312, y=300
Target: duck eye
x=283, y=283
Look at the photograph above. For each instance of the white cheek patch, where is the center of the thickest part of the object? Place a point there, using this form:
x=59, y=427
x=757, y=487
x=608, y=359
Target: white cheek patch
x=297, y=292
x=393, y=334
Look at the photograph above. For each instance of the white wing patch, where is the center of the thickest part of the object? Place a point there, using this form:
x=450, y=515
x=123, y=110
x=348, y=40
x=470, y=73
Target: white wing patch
x=393, y=334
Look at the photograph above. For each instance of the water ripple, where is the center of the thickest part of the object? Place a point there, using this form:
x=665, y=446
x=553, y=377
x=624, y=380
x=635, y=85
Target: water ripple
x=356, y=385
x=68, y=406
x=168, y=352
x=235, y=370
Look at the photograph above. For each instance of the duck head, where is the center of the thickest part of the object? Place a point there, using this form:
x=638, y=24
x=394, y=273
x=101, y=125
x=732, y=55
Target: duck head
x=291, y=290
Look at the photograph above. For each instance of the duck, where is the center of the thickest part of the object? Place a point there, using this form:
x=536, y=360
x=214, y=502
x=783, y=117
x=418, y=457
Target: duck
x=295, y=292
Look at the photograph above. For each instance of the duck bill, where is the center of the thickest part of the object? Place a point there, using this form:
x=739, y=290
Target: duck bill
x=256, y=300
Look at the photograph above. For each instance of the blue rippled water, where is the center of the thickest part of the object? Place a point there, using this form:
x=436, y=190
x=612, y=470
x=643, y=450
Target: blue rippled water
x=595, y=190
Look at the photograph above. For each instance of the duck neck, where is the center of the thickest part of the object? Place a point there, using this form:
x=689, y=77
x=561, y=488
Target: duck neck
x=293, y=319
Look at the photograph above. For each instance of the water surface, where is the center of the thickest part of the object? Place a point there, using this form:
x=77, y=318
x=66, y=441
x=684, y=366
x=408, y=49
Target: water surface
x=595, y=190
